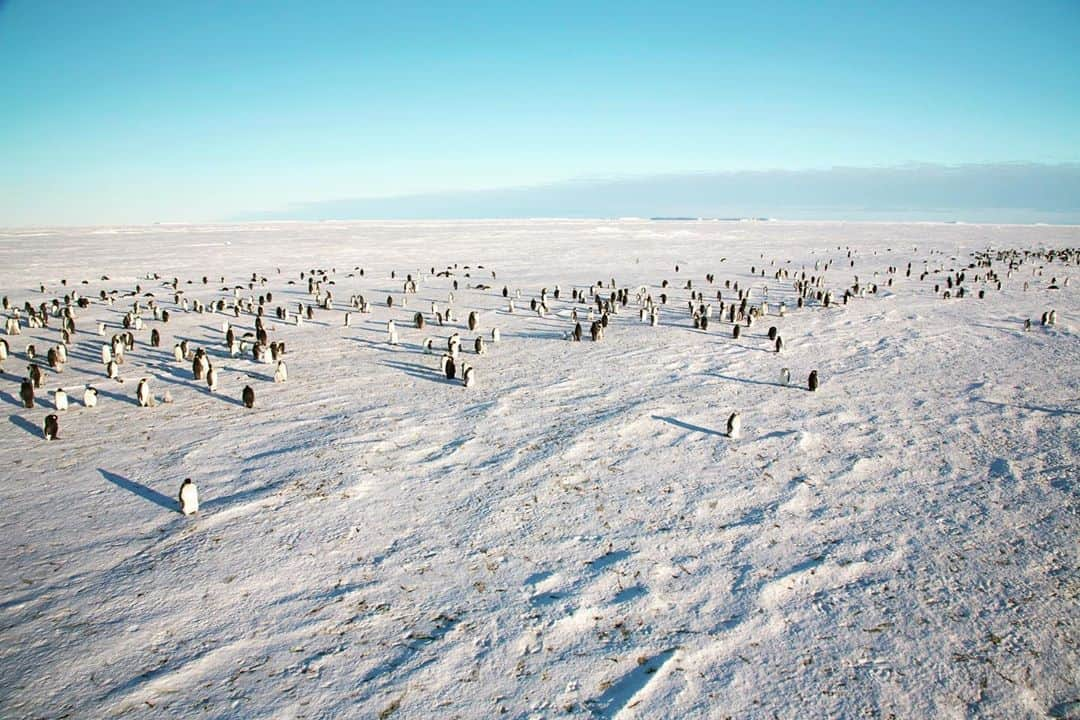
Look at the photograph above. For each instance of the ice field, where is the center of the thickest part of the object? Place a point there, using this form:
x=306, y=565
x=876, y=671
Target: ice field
x=574, y=535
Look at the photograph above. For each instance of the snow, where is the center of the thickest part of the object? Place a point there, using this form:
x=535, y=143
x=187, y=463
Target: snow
x=575, y=535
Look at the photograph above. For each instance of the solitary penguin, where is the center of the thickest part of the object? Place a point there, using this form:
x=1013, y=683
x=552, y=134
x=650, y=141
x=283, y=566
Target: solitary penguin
x=189, y=497
x=467, y=376
x=249, y=397
x=89, y=397
x=281, y=374
x=779, y=343
x=812, y=383
x=60, y=399
x=26, y=392
x=734, y=425
x=494, y=335
x=143, y=393
x=478, y=345
x=785, y=376
x=52, y=427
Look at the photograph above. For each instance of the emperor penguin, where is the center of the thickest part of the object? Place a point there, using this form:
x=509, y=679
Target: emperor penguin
x=478, y=345
x=281, y=374
x=577, y=332
x=142, y=392
x=60, y=399
x=61, y=353
x=785, y=376
x=734, y=425
x=52, y=427
x=448, y=366
x=89, y=397
x=494, y=335
x=429, y=345
x=391, y=333
x=189, y=497
x=249, y=397
x=212, y=379
x=106, y=354
x=467, y=376
x=37, y=376
x=812, y=382
x=779, y=343
x=155, y=338
x=735, y=330
x=3, y=350
x=773, y=332
x=26, y=392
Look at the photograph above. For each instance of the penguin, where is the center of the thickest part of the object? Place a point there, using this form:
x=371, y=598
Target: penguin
x=54, y=360
x=212, y=379
x=467, y=376
x=26, y=392
x=61, y=353
x=142, y=392
x=449, y=369
x=167, y=398
x=60, y=399
x=391, y=333
x=52, y=427
x=418, y=321
x=494, y=335
x=812, y=382
x=734, y=425
x=89, y=397
x=1027, y=324
x=249, y=397
x=478, y=345
x=31, y=351
x=474, y=321
x=37, y=376
x=577, y=332
x=773, y=332
x=281, y=374
x=155, y=338
x=189, y=497
x=785, y=376
x=735, y=330
x=779, y=343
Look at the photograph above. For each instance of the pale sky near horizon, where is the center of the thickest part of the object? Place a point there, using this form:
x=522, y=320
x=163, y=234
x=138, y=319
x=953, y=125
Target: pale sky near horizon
x=199, y=111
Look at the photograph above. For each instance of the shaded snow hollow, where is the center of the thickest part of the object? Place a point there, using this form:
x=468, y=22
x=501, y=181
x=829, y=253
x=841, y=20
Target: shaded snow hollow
x=574, y=535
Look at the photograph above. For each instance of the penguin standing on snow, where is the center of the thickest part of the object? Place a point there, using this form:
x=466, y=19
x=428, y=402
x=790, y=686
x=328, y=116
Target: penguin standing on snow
x=89, y=397
x=26, y=393
x=785, y=376
x=212, y=379
x=189, y=497
x=112, y=370
x=812, y=382
x=37, y=376
x=281, y=374
x=52, y=427
x=467, y=377
x=734, y=425
x=478, y=345
x=779, y=343
x=60, y=399
x=142, y=392
x=249, y=397
x=449, y=368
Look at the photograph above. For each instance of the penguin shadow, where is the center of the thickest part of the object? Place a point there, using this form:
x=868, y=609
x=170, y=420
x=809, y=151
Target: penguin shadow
x=20, y=421
x=688, y=426
x=10, y=399
x=223, y=397
x=171, y=368
x=139, y=489
x=259, y=376
x=116, y=396
x=1053, y=412
x=754, y=382
x=420, y=372
x=383, y=346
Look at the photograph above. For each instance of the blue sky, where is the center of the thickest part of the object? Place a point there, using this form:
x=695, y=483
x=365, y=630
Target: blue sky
x=141, y=112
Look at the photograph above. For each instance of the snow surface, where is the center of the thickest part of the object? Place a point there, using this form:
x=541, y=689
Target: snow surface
x=574, y=535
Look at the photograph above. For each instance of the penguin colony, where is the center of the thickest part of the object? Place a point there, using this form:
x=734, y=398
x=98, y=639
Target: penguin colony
x=137, y=320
